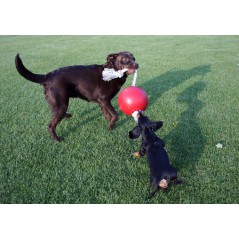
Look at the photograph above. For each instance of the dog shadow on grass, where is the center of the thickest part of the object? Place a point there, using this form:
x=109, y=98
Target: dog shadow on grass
x=186, y=140
x=157, y=86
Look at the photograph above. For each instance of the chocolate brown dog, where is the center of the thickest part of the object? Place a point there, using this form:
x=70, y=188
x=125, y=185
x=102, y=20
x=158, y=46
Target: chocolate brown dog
x=161, y=172
x=85, y=82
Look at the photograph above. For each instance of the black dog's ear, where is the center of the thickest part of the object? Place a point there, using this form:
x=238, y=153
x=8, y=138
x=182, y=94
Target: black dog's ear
x=156, y=125
x=110, y=60
x=135, y=133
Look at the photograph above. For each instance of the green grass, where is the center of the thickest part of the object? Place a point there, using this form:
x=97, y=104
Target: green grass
x=192, y=84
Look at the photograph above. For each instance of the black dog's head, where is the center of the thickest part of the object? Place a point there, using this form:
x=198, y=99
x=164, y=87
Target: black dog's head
x=144, y=123
x=122, y=60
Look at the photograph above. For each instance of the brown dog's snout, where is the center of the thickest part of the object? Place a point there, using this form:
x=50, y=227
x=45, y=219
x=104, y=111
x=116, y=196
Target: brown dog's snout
x=136, y=65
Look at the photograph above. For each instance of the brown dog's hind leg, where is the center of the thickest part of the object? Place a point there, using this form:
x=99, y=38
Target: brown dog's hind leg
x=58, y=105
x=58, y=115
x=52, y=129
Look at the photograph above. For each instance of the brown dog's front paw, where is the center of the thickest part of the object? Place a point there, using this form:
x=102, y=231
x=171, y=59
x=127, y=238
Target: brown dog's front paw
x=58, y=139
x=110, y=127
x=136, y=154
x=67, y=116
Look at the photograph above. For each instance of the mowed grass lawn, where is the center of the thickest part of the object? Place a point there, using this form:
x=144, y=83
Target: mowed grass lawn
x=193, y=85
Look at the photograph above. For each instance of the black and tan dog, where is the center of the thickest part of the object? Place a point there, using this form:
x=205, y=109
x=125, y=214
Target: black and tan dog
x=85, y=82
x=161, y=172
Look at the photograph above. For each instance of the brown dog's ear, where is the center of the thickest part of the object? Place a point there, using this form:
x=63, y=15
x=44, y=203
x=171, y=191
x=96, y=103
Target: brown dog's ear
x=110, y=60
x=112, y=56
x=135, y=133
x=156, y=125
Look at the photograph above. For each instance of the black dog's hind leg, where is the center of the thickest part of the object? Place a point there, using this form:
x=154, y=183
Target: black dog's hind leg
x=177, y=181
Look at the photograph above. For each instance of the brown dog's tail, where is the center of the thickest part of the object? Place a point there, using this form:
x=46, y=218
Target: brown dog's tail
x=23, y=71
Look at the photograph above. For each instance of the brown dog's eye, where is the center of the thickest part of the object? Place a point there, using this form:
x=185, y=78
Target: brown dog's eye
x=124, y=60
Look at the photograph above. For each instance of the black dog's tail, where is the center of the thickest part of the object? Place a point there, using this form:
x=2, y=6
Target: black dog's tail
x=23, y=71
x=152, y=193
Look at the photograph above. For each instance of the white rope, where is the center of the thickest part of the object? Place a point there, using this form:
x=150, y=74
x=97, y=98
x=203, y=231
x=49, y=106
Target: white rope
x=135, y=113
x=135, y=78
x=110, y=74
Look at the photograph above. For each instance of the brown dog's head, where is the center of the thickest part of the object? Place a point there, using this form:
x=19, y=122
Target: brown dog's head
x=122, y=60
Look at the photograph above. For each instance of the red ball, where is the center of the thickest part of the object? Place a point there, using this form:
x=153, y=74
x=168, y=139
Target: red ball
x=132, y=98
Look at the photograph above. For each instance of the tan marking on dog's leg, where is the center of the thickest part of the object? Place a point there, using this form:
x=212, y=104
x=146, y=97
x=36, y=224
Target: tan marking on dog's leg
x=163, y=183
x=136, y=154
